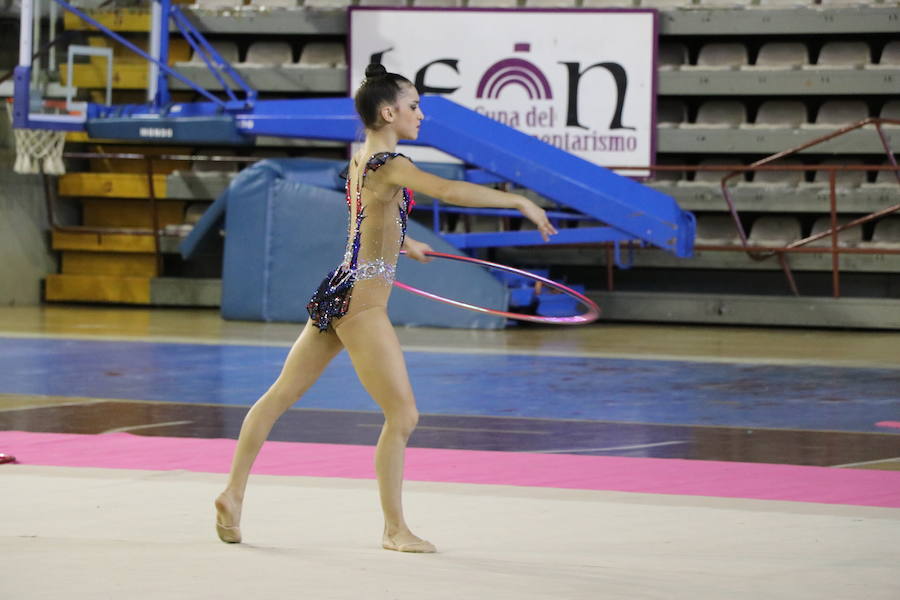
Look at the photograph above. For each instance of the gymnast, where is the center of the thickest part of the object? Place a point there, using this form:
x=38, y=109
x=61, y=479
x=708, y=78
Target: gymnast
x=349, y=310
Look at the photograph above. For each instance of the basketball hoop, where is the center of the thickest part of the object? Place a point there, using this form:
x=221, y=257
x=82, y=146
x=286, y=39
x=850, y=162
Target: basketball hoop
x=39, y=150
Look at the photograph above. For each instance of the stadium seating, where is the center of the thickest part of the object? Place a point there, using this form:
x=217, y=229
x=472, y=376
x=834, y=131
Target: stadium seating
x=847, y=238
x=438, y=3
x=671, y=56
x=268, y=4
x=782, y=55
x=493, y=3
x=551, y=3
x=844, y=180
x=720, y=114
x=844, y=55
x=717, y=230
x=890, y=56
x=268, y=54
x=774, y=231
x=609, y=3
x=670, y=113
x=323, y=54
x=886, y=234
x=721, y=56
x=327, y=4
x=776, y=179
x=839, y=113
x=227, y=50
x=779, y=114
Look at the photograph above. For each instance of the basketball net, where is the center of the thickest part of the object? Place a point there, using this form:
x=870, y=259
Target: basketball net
x=38, y=150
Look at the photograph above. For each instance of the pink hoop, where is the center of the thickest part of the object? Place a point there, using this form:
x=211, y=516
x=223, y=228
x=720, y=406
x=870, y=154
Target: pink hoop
x=592, y=314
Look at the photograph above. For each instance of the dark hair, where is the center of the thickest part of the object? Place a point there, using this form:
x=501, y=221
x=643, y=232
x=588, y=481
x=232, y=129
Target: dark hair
x=379, y=88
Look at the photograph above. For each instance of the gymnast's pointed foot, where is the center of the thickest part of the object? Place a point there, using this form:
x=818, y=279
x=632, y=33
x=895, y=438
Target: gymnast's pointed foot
x=405, y=541
x=228, y=519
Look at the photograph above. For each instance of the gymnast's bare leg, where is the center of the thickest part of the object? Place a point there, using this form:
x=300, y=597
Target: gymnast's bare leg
x=308, y=357
x=378, y=360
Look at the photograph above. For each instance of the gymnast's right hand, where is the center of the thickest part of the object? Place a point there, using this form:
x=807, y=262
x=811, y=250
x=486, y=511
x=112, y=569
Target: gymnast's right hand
x=538, y=216
x=416, y=250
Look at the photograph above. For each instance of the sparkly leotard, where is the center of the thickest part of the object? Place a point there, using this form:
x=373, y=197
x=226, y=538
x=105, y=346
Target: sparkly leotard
x=376, y=230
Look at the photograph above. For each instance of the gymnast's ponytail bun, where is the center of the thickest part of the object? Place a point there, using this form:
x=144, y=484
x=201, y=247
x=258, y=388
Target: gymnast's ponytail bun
x=380, y=88
x=375, y=70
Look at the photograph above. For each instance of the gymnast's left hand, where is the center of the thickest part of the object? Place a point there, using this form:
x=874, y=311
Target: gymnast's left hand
x=416, y=250
x=538, y=216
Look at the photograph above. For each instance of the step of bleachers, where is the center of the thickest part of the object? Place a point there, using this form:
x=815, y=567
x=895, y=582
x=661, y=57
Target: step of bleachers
x=111, y=185
x=97, y=288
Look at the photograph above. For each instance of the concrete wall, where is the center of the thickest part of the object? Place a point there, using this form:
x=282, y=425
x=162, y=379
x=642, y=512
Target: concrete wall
x=25, y=255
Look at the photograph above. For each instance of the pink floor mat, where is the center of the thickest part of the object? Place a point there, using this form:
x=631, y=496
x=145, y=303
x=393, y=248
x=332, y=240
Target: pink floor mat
x=646, y=475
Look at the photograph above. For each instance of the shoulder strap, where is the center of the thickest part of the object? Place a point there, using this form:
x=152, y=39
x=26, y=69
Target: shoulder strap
x=379, y=160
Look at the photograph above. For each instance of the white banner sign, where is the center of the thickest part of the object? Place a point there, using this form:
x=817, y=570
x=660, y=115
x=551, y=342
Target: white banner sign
x=580, y=80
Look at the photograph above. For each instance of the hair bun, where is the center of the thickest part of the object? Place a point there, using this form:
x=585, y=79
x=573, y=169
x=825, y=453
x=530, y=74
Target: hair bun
x=375, y=70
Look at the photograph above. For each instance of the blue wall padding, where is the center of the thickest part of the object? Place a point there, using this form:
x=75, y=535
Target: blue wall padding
x=286, y=226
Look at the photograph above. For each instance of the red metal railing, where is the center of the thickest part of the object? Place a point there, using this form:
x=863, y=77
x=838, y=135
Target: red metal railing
x=757, y=252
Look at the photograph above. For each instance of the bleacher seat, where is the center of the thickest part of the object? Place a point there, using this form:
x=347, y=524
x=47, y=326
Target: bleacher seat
x=218, y=4
x=886, y=234
x=710, y=178
x=666, y=3
x=670, y=56
x=774, y=114
x=609, y=3
x=717, y=230
x=721, y=56
x=227, y=50
x=890, y=110
x=839, y=113
x=783, y=4
x=844, y=179
x=268, y=54
x=264, y=4
x=826, y=4
x=493, y=3
x=781, y=55
x=776, y=179
x=890, y=57
x=884, y=179
x=550, y=3
x=439, y=3
x=774, y=231
x=719, y=114
x=846, y=238
x=323, y=54
x=725, y=3
x=382, y=3
x=670, y=113
x=843, y=55
x=327, y=4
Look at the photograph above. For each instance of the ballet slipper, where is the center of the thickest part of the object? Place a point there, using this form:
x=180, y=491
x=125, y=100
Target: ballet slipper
x=228, y=534
x=419, y=546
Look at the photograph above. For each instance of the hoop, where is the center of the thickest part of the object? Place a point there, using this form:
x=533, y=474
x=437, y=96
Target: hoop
x=37, y=148
x=592, y=314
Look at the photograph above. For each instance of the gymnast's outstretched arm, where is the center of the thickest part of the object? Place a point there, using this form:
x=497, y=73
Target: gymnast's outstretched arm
x=403, y=172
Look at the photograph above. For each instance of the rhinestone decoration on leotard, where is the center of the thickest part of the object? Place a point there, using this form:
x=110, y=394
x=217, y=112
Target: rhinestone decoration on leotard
x=377, y=269
x=332, y=299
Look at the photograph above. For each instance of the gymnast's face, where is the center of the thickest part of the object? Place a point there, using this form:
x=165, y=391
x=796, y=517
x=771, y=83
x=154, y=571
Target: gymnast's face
x=405, y=116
